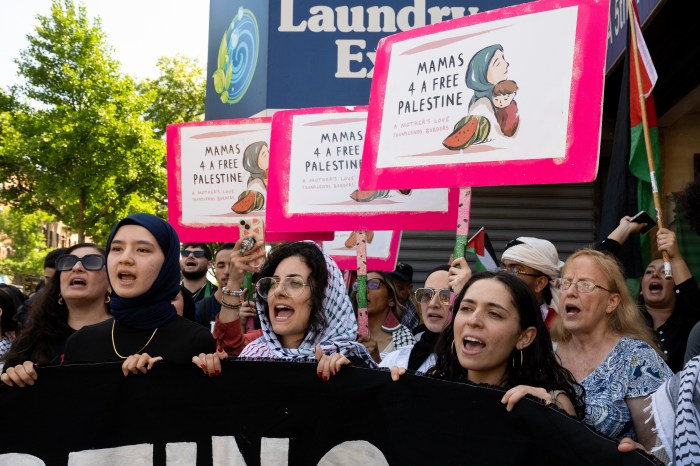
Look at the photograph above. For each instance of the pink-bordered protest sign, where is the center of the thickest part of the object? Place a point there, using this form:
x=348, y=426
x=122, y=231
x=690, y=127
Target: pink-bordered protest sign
x=382, y=249
x=505, y=97
x=217, y=178
x=313, y=179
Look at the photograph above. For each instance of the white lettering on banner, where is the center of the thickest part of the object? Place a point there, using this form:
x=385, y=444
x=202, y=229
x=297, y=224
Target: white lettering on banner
x=130, y=455
x=358, y=19
x=225, y=452
x=181, y=454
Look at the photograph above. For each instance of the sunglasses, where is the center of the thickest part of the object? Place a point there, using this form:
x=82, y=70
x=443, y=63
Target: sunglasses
x=197, y=254
x=290, y=286
x=90, y=262
x=425, y=295
x=372, y=284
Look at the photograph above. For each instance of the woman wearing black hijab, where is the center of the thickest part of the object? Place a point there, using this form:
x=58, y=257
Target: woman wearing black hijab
x=143, y=253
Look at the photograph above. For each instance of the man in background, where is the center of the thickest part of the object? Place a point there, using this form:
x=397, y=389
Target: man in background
x=403, y=278
x=195, y=261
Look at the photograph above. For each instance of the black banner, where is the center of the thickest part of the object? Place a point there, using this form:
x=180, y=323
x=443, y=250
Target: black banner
x=283, y=413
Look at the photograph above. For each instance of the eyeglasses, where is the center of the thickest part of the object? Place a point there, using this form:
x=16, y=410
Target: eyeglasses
x=290, y=286
x=372, y=284
x=513, y=269
x=90, y=262
x=425, y=295
x=582, y=286
x=197, y=254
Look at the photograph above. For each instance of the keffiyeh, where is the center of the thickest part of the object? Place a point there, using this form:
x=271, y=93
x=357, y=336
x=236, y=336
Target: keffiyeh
x=338, y=335
x=676, y=415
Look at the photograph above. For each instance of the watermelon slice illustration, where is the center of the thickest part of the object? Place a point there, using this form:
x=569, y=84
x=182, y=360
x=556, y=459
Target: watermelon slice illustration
x=248, y=201
x=472, y=129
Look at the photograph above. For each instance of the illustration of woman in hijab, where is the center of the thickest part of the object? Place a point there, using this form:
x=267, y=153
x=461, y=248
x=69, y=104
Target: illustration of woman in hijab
x=491, y=106
x=256, y=161
x=487, y=68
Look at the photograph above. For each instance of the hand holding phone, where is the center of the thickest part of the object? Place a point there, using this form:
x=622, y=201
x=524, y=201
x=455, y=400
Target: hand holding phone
x=251, y=231
x=643, y=217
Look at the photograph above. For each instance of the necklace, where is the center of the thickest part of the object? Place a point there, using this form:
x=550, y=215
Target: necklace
x=114, y=346
x=199, y=291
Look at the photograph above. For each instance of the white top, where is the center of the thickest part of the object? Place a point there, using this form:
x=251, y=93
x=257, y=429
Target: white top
x=400, y=357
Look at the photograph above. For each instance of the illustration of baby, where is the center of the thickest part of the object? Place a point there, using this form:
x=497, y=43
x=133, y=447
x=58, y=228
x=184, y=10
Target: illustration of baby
x=256, y=161
x=505, y=106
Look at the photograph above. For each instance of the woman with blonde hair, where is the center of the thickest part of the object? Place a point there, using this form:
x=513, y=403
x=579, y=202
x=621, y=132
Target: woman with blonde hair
x=602, y=339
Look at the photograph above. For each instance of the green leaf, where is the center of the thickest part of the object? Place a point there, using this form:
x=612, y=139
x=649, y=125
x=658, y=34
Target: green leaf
x=223, y=53
x=219, y=78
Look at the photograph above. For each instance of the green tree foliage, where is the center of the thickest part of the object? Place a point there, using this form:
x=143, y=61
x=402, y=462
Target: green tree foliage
x=177, y=95
x=28, y=242
x=84, y=154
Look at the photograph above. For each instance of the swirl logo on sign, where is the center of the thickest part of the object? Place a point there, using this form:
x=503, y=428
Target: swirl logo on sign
x=238, y=55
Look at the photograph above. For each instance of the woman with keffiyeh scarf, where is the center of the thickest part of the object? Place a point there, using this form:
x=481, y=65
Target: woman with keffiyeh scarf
x=303, y=307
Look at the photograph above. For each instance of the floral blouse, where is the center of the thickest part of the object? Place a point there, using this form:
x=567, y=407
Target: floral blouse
x=631, y=370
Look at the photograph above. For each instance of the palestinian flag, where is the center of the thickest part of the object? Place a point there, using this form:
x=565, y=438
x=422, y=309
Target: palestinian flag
x=638, y=164
x=628, y=188
x=480, y=245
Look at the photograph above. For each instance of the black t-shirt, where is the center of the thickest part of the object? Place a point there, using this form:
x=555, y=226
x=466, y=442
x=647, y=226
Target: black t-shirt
x=672, y=335
x=177, y=341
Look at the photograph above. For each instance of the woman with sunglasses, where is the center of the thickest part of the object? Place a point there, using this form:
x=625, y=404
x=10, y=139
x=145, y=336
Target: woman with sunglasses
x=384, y=312
x=603, y=340
x=435, y=300
x=77, y=295
x=143, y=254
x=497, y=337
x=302, y=304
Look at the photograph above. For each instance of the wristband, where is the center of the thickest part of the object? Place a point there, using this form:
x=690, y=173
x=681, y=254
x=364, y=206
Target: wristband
x=228, y=292
x=229, y=305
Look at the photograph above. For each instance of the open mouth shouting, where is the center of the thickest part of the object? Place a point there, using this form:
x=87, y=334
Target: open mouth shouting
x=572, y=310
x=472, y=345
x=77, y=282
x=282, y=313
x=655, y=287
x=126, y=278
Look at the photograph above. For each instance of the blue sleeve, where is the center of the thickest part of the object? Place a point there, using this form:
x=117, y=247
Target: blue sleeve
x=647, y=370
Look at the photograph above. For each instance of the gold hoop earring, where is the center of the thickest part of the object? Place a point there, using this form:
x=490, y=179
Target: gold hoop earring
x=108, y=299
x=521, y=358
x=60, y=299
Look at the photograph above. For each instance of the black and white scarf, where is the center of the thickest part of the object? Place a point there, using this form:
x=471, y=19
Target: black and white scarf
x=676, y=410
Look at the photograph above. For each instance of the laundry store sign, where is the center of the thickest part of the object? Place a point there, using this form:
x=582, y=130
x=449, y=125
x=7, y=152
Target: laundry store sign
x=297, y=54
